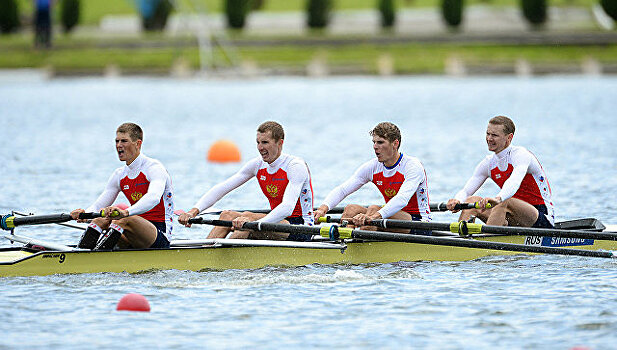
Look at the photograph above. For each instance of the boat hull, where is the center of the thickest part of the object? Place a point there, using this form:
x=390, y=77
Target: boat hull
x=21, y=262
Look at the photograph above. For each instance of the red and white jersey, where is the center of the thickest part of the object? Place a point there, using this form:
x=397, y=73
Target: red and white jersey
x=286, y=183
x=147, y=186
x=518, y=173
x=404, y=186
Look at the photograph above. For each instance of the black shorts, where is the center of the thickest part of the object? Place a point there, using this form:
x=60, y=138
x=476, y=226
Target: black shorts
x=298, y=237
x=542, y=221
x=415, y=231
x=161, y=240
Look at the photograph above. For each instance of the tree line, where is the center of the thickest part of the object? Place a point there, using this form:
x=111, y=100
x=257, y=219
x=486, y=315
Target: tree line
x=154, y=13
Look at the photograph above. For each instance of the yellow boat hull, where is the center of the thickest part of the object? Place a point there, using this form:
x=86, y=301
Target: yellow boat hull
x=21, y=262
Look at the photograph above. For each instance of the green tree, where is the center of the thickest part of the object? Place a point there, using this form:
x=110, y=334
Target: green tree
x=534, y=11
x=69, y=14
x=9, y=16
x=610, y=7
x=387, y=9
x=452, y=11
x=236, y=12
x=318, y=13
x=158, y=19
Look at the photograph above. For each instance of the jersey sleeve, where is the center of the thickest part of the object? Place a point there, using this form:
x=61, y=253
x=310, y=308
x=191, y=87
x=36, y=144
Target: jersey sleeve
x=109, y=195
x=521, y=159
x=297, y=175
x=357, y=180
x=480, y=174
x=157, y=175
x=217, y=192
x=413, y=177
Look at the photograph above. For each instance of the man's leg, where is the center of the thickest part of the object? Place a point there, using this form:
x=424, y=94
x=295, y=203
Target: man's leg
x=138, y=232
x=513, y=212
x=399, y=215
x=244, y=234
x=352, y=210
x=222, y=231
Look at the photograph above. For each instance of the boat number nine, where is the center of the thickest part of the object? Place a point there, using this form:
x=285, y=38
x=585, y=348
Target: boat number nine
x=60, y=256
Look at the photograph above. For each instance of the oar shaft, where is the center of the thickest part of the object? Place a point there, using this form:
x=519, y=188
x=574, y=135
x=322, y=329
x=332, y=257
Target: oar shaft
x=9, y=222
x=470, y=243
x=460, y=206
x=343, y=232
x=41, y=219
x=260, y=226
x=470, y=228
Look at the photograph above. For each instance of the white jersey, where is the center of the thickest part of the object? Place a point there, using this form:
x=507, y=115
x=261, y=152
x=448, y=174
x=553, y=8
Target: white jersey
x=518, y=173
x=404, y=186
x=147, y=186
x=286, y=183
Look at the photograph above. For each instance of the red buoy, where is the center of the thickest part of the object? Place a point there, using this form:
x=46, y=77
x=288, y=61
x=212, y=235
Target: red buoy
x=133, y=302
x=122, y=206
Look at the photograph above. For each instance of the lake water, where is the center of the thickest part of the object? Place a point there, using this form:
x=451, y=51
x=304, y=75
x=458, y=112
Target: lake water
x=56, y=141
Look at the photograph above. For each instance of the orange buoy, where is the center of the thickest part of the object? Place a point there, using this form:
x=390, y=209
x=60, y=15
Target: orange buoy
x=224, y=151
x=133, y=302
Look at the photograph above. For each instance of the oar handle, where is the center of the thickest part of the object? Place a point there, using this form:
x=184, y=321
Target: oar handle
x=87, y=216
x=203, y=221
x=443, y=206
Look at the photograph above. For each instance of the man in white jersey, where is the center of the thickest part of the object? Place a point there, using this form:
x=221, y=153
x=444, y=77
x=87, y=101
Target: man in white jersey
x=525, y=195
x=285, y=181
x=401, y=179
x=145, y=182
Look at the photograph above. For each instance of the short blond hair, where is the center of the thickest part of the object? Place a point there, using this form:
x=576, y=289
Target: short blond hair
x=275, y=129
x=507, y=123
x=133, y=130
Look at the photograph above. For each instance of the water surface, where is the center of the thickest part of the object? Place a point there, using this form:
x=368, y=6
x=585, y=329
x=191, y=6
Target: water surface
x=58, y=152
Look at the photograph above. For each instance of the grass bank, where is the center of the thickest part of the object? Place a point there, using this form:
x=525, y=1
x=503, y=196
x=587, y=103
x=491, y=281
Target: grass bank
x=160, y=54
x=94, y=10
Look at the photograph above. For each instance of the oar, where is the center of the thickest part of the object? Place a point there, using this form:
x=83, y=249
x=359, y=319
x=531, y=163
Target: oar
x=59, y=223
x=9, y=221
x=335, y=233
x=465, y=229
x=460, y=206
x=434, y=207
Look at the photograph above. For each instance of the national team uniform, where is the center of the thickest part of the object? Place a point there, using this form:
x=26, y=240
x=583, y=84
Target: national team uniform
x=147, y=186
x=404, y=186
x=519, y=175
x=286, y=183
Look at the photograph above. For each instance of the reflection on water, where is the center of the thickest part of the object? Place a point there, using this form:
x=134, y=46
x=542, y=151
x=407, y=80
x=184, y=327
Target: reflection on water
x=57, y=148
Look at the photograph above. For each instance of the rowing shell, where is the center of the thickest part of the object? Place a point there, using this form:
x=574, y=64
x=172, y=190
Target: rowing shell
x=249, y=254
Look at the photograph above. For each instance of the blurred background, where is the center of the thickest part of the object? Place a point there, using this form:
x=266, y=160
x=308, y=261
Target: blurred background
x=248, y=38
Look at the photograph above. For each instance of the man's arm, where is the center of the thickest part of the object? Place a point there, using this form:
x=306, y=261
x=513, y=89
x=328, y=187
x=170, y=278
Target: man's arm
x=478, y=178
x=158, y=179
x=351, y=185
x=109, y=195
x=217, y=192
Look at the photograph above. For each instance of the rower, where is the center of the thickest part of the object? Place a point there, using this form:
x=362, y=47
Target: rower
x=400, y=178
x=285, y=180
x=525, y=195
x=145, y=182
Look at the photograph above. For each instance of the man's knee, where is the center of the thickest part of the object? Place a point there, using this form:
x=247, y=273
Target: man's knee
x=228, y=215
x=373, y=208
